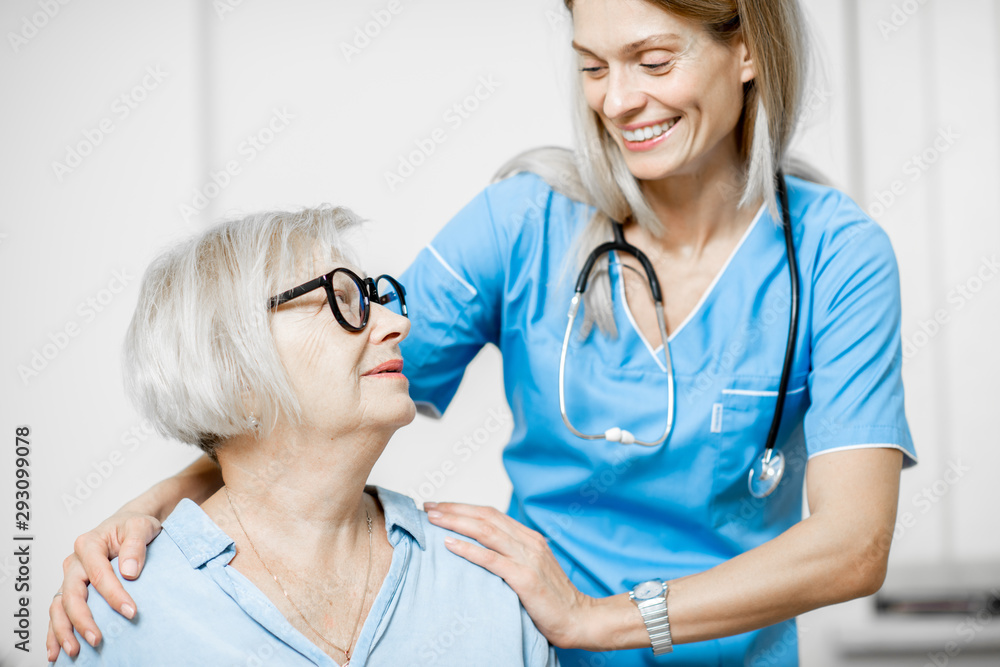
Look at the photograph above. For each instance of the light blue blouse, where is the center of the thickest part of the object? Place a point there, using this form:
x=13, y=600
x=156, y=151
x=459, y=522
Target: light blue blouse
x=434, y=608
x=619, y=514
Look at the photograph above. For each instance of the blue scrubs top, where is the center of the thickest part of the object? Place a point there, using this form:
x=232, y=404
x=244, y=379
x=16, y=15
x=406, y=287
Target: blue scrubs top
x=503, y=272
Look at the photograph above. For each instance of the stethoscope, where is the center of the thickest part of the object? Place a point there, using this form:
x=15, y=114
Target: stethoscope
x=768, y=469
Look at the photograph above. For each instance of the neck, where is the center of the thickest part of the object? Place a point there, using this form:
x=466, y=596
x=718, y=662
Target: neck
x=698, y=207
x=298, y=487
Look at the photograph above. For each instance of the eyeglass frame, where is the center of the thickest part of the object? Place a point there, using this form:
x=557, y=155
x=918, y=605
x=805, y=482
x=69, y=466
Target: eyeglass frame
x=367, y=286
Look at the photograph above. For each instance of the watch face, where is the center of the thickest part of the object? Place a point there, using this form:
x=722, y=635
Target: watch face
x=648, y=590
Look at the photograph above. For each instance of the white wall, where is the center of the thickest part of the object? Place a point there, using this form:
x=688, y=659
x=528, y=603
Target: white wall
x=223, y=75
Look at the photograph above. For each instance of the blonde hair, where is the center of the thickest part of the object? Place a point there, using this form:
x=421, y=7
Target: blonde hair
x=596, y=173
x=199, y=359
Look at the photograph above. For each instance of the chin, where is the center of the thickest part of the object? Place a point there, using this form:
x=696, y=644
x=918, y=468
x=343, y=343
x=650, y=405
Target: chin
x=411, y=414
x=404, y=413
x=650, y=170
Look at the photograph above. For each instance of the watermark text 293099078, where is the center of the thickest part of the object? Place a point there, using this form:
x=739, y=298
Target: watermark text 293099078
x=22, y=540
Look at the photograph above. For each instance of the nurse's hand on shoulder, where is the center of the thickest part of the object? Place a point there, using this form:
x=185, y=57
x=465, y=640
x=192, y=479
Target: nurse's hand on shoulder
x=522, y=558
x=124, y=535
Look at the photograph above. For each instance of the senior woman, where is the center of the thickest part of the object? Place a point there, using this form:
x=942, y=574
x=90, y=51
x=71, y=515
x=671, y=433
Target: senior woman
x=260, y=343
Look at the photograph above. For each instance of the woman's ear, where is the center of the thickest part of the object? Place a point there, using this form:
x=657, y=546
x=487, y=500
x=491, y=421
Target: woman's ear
x=748, y=69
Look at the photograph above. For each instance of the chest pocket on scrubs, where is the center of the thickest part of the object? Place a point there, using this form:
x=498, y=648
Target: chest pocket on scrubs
x=740, y=420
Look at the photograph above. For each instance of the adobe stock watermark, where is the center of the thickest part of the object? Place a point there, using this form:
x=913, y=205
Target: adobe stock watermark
x=966, y=631
x=591, y=491
x=86, y=311
x=913, y=169
x=774, y=313
x=899, y=16
x=8, y=568
x=557, y=16
x=247, y=151
x=958, y=298
x=364, y=34
x=454, y=117
x=921, y=503
x=462, y=451
x=101, y=470
x=780, y=651
x=224, y=7
x=34, y=23
x=121, y=108
x=262, y=655
x=434, y=648
x=796, y=462
x=817, y=100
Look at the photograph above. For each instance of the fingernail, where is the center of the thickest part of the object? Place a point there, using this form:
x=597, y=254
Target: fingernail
x=451, y=541
x=128, y=611
x=426, y=505
x=91, y=638
x=434, y=514
x=66, y=646
x=130, y=568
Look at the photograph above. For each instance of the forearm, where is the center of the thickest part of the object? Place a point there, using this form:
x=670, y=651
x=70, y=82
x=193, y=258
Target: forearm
x=839, y=553
x=198, y=482
x=811, y=565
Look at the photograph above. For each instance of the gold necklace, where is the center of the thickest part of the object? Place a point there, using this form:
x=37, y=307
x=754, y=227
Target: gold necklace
x=319, y=634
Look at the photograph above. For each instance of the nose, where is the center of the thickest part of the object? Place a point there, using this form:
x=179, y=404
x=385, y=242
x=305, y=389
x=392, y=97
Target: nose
x=386, y=326
x=623, y=97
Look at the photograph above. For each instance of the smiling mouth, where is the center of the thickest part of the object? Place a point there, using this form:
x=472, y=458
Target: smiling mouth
x=650, y=132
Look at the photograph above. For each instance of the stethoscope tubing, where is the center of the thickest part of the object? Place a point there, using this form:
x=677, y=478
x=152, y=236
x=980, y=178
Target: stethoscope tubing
x=793, y=316
x=617, y=434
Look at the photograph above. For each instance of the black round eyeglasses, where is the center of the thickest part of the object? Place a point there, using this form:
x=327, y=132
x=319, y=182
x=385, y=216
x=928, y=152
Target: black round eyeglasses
x=350, y=296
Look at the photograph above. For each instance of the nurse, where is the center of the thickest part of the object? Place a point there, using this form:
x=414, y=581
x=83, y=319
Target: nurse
x=686, y=109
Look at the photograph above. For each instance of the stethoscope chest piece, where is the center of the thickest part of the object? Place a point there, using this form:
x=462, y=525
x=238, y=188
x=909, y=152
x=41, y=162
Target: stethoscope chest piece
x=765, y=473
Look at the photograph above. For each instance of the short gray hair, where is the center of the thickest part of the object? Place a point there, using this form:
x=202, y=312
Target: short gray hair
x=199, y=358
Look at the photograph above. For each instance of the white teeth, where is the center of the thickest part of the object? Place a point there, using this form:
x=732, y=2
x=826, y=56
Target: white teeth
x=648, y=132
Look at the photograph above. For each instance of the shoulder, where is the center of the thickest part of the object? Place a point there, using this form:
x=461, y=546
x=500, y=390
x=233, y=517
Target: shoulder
x=526, y=198
x=457, y=575
x=444, y=596
x=156, y=593
x=509, y=227
x=165, y=567
x=827, y=212
x=835, y=231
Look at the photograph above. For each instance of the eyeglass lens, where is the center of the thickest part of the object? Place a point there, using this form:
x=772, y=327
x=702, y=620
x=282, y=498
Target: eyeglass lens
x=388, y=295
x=348, y=297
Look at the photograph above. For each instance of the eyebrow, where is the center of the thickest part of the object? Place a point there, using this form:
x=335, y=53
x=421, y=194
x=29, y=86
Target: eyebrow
x=632, y=48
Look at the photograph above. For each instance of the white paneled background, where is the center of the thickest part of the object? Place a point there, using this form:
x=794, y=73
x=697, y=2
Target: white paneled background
x=157, y=99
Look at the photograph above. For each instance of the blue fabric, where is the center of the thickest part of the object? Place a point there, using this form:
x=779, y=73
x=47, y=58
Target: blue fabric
x=434, y=608
x=503, y=272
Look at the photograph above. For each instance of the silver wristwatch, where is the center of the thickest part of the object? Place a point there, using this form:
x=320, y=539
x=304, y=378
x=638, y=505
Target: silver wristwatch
x=651, y=598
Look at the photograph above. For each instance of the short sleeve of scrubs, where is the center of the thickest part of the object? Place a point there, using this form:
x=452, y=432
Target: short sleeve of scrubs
x=855, y=380
x=454, y=288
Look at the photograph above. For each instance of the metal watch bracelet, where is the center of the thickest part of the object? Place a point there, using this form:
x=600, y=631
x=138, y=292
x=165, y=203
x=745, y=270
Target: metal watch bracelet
x=654, y=615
